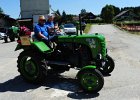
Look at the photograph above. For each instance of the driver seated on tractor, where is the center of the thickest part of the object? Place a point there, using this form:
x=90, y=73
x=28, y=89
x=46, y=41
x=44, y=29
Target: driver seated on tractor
x=41, y=30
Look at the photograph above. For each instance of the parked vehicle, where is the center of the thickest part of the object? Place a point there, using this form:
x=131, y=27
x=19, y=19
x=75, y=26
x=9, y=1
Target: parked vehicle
x=13, y=33
x=5, y=38
x=69, y=29
x=2, y=35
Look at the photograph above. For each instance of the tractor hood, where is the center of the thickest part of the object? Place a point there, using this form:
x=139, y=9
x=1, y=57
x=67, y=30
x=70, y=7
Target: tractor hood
x=96, y=42
x=71, y=38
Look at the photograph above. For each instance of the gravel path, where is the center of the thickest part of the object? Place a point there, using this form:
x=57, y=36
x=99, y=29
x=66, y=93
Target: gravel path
x=124, y=84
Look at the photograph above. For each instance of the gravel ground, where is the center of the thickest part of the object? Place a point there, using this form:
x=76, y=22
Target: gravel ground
x=123, y=84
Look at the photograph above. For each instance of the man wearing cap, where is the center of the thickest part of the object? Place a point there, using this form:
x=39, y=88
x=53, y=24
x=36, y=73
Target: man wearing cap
x=41, y=30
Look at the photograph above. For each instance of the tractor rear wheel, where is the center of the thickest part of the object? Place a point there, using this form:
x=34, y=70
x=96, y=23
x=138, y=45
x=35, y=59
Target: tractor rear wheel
x=31, y=66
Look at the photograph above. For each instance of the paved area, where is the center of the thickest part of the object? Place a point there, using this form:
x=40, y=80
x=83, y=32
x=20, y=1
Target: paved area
x=123, y=84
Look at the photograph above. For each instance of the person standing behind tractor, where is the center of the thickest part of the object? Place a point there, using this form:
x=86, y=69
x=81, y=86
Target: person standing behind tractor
x=41, y=30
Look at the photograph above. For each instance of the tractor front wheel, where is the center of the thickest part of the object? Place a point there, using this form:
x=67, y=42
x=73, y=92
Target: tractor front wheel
x=91, y=80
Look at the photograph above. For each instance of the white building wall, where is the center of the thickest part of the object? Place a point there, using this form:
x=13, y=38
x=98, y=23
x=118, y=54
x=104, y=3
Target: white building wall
x=34, y=7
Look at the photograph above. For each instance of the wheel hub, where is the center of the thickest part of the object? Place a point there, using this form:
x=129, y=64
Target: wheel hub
x=30, y=67
x=90, y=81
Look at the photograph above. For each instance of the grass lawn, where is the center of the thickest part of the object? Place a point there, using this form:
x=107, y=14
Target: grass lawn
x=88, y=26
x=138, y=33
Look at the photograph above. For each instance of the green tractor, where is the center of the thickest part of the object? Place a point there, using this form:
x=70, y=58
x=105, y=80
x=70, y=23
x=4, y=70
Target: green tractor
x=86, y=53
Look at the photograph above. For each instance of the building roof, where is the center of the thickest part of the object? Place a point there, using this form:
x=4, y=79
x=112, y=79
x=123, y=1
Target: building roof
x=127, y=13
x=24, y=20
x=6, y=17
x=89, y=15
x=120, y=14
x=76, y=18
x=3, y=15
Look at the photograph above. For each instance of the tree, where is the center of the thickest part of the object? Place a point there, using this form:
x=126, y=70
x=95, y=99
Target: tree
x=58, y=13
x=69, y=18
x=58, y=19
x=64, y=16
x=116, y=10
x=137, y=11
x=107, y=13
x=83, y=11
x=1, y=10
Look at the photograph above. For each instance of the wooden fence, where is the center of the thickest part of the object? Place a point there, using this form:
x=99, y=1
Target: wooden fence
x=131, y=28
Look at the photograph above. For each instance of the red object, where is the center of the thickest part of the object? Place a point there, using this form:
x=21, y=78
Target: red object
x=19, y=41
x=24, y=31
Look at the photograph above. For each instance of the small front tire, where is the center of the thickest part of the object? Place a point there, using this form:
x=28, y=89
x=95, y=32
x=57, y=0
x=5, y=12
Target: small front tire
x=109, y=65
x=91, y=80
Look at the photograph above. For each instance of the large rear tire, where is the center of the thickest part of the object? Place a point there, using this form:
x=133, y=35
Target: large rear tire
x=91, y=80
x=31, y=66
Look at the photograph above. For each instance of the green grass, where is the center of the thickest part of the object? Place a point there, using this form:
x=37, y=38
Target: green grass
x=128, y=23
x=88, y=26
x=138, y=33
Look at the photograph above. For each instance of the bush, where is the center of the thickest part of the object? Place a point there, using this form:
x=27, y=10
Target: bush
x=137, y=23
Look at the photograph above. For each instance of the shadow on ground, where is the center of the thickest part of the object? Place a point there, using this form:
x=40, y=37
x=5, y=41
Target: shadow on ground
x=52, y=82
x=16, y=85
x=68, y=84
x=82, y=95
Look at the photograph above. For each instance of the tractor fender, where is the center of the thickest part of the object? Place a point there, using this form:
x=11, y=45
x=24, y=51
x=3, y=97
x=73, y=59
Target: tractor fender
x=41, y=46
x=89, y=67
